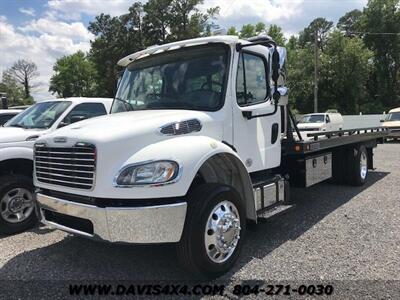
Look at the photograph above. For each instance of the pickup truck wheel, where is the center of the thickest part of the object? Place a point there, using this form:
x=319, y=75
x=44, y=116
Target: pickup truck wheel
x=214, y=229
x=358, y=166
x=17, y=205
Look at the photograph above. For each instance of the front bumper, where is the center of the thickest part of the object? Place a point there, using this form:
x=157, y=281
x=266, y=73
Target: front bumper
x=141, y=225
x=394, y=132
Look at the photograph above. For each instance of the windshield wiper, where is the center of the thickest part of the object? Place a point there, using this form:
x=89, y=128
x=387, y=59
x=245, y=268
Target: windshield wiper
x=126, y=102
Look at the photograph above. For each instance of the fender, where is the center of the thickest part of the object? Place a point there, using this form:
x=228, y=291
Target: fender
x=16, y=153
x=194, y=154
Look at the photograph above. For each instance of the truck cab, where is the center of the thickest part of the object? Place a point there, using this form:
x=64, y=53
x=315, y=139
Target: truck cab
x=7, y=114
x=392, y=122
x=16, y=153
x=199, y=143
x=321, y=122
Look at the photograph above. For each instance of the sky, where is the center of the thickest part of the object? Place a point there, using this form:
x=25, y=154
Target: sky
x=45, y=30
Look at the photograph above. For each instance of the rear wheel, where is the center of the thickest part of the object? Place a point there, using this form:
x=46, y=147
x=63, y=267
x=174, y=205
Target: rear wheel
x=17, y=205
x=357, y=171
x=214, y=229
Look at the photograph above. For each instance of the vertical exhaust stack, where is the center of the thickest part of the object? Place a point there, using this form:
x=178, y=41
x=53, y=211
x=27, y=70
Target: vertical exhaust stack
x=4, y=101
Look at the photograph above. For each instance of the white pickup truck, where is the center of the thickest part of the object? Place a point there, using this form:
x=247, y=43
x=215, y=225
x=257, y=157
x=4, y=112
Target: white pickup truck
x=202, y=145
x=16, y=153
x=7, y=114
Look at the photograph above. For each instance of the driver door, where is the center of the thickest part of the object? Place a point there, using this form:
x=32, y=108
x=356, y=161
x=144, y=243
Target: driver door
x=257, y=140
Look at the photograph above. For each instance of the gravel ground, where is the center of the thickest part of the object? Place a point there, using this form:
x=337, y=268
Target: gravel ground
x=346, y=236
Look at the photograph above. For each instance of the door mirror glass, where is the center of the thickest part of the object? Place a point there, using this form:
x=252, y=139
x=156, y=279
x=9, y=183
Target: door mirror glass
x=77, y=118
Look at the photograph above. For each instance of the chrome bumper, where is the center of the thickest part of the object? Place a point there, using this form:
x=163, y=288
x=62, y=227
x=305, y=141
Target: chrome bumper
x=142, y=225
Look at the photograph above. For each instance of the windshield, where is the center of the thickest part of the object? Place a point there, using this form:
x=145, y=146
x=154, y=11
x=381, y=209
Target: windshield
x=39, y=116
x=182, y=79
x=313, y=119
x=395, y=116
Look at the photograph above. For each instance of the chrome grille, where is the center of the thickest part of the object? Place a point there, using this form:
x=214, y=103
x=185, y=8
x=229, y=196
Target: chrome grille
x=183, y=127
x=70, y=166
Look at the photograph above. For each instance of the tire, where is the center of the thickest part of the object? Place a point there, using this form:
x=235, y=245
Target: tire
x=16, y=202
x=357, y=166
x=205, y=203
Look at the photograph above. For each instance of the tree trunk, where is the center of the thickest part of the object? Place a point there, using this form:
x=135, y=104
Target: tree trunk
x=26, y=86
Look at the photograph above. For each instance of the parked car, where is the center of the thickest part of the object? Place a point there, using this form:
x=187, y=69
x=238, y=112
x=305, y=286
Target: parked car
x=321, y=122
x=392, y=121
x=16, y=153
x=7, y=114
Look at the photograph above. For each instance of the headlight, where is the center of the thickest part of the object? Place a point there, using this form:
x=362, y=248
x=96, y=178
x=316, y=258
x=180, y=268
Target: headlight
x=157, y=172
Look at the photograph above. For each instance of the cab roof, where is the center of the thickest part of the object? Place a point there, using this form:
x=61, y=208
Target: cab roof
x=78, y=100
x=225, y=39
x=395, y=110
x=10, y=111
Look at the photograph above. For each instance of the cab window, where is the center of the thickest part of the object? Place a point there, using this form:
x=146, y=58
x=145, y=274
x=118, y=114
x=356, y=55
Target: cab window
x=84, y=111
x=5, y=118
x=251, y=82
x=328, y=120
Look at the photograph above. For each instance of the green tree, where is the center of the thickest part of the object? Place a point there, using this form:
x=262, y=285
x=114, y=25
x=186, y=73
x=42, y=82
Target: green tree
x=189, y=22
x=350, y=22
x=116, y=37
x=14, y=90
x=157, y=21
x=24, y=72
x=259, y=28
x=232, y=31
x=320, y=27
x=247, y=31
x=75, y=76
x=381, y=17
x=300, y=78
x=293, y=43
x=344, y=74
x=276, y=33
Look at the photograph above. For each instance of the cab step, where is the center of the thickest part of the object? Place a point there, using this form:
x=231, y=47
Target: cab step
x=274, y=211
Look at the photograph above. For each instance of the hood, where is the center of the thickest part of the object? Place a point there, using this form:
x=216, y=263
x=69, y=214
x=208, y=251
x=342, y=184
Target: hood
x=135, y=124
x=16, y=134
x=310, y=125
x=391, y=124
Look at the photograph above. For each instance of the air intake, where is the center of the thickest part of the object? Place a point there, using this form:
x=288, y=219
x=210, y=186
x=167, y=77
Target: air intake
x=182, y=127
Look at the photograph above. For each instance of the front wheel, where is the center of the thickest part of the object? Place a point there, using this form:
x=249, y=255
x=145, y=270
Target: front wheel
x=214, y=229
x=17, y=205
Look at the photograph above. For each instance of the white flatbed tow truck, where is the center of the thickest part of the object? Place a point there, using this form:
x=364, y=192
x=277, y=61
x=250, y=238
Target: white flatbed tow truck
x=200, y=143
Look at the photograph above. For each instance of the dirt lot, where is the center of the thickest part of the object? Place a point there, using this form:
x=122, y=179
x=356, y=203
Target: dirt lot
x=344, y=235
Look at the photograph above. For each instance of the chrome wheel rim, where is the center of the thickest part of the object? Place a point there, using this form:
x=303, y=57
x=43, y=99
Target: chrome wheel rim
x=363, y=165
x=222, y=232
x=17, y=205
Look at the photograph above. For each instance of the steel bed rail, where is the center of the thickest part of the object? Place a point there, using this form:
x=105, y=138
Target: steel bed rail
x=348, y=132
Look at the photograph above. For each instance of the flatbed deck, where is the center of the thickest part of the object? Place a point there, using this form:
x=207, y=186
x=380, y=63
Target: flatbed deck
x=321, y=141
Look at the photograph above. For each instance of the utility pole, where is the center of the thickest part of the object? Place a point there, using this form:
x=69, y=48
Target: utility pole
x=316, y=72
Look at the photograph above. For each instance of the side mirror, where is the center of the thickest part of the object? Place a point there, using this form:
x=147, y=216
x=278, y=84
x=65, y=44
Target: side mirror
x=72, y=119
x=77, y=118
x=382, y=121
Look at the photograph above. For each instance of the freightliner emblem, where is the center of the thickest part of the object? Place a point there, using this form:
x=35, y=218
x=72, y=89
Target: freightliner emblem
x=60, y=139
